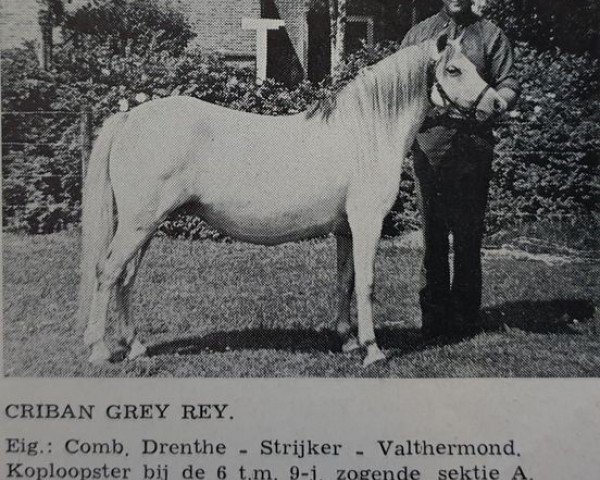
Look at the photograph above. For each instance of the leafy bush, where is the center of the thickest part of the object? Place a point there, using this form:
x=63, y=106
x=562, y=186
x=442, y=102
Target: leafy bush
x=548, y=25
x=41, y=181
x=40, y=193
x=547, y=153
x=130, y=26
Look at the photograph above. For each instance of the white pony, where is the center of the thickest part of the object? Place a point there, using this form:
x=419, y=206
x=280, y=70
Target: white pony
x=265, y=179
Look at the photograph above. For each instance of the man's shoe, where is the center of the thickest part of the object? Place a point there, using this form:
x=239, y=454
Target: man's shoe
x=469, y=325
x=433, y=331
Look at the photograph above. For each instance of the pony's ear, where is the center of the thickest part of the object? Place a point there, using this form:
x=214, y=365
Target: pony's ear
x=442, y=42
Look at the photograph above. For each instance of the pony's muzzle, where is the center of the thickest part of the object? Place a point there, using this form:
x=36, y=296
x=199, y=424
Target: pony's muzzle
x=491, y=105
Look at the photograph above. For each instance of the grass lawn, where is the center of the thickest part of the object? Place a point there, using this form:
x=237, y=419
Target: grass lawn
x=214, y=309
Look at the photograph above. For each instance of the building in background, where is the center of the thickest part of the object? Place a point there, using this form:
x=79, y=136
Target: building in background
x=299, y=49
x=19, y=22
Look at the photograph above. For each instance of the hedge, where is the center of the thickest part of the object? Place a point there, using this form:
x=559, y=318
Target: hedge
x=547, y=151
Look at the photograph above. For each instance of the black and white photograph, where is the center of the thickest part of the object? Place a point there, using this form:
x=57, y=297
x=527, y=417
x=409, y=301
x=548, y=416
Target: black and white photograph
x=301, y=188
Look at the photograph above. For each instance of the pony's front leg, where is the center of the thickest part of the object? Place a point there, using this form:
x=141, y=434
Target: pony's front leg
x=345, y=287
x=366, y=230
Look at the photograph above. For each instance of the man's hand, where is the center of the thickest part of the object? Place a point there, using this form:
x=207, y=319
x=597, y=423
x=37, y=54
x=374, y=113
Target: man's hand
x=509, y=96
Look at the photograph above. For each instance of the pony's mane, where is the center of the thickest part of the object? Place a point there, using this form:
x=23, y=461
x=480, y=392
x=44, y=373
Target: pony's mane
x=388, y=85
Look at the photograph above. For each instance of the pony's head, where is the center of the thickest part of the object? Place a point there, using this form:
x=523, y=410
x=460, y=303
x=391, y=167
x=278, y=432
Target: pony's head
x=458, y=85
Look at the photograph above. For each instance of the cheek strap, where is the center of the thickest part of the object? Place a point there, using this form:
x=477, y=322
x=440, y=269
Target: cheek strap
x=468, y=112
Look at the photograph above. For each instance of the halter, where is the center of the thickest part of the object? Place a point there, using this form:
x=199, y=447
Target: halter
x=468, y=112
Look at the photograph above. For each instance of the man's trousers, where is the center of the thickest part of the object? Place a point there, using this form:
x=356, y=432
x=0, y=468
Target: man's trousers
x=452, y=192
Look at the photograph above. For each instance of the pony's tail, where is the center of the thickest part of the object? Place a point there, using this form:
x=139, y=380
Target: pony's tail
x=97, y=216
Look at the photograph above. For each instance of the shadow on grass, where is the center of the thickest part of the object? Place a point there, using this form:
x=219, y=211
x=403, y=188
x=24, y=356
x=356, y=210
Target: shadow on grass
x=553, y=316
x=292, y=340
x=548, y=316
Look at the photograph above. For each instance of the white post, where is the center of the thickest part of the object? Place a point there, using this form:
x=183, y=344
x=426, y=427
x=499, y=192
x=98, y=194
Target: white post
x=262, y=27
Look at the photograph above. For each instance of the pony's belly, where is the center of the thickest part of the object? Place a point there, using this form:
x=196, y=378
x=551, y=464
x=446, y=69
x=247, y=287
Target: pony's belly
x=271, y=227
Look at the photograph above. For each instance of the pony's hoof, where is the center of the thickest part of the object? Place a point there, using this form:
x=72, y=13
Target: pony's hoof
x=100, y=353
x=374, y=355
x=350, y=345
x=137, y=350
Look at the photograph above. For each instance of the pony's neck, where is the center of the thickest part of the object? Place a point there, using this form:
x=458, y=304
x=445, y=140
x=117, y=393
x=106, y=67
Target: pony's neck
x=387, y=102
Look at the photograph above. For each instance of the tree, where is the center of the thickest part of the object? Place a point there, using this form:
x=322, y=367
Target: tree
x=55, y=7
x=547, y=25
x=129, y=25
x=338, y=20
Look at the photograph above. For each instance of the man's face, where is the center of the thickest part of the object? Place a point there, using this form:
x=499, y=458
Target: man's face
x=454, y=7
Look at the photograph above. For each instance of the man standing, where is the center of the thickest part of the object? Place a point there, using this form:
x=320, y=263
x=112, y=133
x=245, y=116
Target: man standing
x=452, y=162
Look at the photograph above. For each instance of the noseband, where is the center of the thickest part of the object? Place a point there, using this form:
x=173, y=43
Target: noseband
x=468, y=112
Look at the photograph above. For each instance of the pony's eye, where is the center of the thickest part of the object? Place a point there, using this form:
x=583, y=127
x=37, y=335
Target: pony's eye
x=453, y=71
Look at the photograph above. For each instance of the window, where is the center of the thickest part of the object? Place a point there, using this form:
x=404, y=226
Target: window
x=359, y=29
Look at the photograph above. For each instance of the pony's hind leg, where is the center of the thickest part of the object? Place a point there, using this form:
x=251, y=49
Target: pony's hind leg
x=123, y=247
x=123, y=289
x=365, y=233
x=345, y=287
